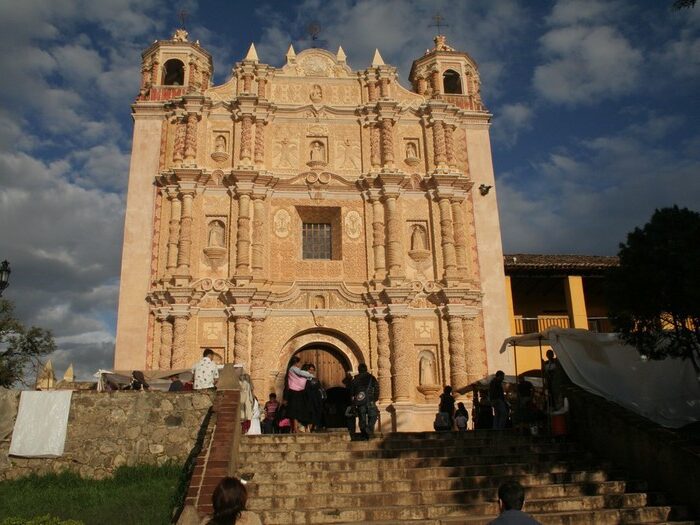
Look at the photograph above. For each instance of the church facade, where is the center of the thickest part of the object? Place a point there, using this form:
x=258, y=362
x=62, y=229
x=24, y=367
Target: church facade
x=317, y=210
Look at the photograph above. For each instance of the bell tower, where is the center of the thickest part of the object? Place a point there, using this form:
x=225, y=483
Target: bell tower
x=451, y=75
x=175, y=67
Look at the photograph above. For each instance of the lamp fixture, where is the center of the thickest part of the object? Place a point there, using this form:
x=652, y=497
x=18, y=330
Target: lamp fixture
x=484, y=189
x=4, y=275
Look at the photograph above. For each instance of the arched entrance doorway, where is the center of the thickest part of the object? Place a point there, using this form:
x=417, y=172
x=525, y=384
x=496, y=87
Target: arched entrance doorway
x=331, y=365
x=334, y=355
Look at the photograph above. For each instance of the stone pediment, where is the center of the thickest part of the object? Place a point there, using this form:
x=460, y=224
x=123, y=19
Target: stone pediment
x=316, y=63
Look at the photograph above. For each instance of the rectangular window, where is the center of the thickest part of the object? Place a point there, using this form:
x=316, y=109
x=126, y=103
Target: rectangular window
x=317, y=240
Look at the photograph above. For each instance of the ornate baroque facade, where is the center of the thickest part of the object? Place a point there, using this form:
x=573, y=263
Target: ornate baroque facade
x=314, y=207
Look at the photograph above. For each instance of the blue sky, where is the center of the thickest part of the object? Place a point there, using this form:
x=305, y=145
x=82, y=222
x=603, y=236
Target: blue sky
x=596, y=122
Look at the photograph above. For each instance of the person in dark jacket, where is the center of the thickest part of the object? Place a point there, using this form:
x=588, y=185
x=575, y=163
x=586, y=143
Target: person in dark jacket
x=365, y=393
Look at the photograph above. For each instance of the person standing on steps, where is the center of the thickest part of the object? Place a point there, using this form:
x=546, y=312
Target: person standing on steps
x=447, y=405
x=365, y=392
x=297, y=406
x=206, y=371
x=498, y=401
x=511, y=497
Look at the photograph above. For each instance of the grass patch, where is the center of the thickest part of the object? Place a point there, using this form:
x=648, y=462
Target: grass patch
x=142, y=495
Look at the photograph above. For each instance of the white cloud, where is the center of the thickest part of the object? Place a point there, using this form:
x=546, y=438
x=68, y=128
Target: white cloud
x=585, y=64
x=586, y=198
x=509, y=121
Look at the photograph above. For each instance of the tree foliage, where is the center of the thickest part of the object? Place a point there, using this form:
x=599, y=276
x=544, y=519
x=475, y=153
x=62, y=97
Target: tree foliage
x=19, y=346
x=654, y=295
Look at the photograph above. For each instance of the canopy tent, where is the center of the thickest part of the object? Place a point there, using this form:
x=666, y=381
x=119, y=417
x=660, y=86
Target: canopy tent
x=666, y=392
x=156, y=379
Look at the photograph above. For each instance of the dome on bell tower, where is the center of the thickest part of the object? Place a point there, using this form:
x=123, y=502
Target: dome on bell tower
x=175, y=67
x=443, y=72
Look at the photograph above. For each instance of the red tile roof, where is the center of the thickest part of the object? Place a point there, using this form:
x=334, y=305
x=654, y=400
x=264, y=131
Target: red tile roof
x=525, y=263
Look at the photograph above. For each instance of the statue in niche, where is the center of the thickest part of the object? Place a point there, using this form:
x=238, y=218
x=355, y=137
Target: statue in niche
x=318, y=151
x=419, y=240
x=316, y=94
x=220, y=144
x=427, y=371
x=319, y=303
x=411, y=151
x=216, y=234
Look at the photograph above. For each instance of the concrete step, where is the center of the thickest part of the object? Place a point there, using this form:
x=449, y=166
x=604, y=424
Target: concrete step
x=558, y=497
x=563, y=511
x=536, y=486
x=374, y=448
x=326, y=475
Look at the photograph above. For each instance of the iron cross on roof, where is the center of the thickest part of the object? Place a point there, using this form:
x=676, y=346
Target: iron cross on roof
x=183, y=14
x=439, y=22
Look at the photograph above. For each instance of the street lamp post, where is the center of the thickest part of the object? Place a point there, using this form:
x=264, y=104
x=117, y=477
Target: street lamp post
x=4, y=276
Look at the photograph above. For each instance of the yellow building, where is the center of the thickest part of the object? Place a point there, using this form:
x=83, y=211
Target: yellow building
x=555, y=290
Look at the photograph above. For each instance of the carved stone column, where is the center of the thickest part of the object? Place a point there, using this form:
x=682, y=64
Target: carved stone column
x=184, y=248
x=166, y=344
x=240, y=349
x=475, y=356
x=179, y=141
x=455, y=339
x=388, y=141
x=394, y=252
x=400, y=369
x=154, y=72
x=372, y=90
x=191, y=139
x=374, y=146
x=378, y=238
x=383, y=360
x=257, y=356
x=243, y=241
x=247, y=82
x=449, y=144
x=259, y=155
x=435, y=81
x=460, y=232
x=384, y=87
x=246, y=137
x=439, y=152
x=179, y=341
x=449, y=257
x=422, y=85
x=262, y=84
x=173, y=230
x=258, y=228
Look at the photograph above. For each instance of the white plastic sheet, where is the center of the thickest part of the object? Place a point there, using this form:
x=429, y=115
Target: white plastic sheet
x=667, y=391
x=41, y=424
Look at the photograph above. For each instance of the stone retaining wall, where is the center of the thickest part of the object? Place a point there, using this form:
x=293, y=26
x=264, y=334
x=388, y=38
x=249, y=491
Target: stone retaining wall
x=107, y=430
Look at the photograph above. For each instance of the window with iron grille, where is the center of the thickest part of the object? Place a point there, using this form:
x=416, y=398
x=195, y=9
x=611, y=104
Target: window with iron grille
x=317, y=240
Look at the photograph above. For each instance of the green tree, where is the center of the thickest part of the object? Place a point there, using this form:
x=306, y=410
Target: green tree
x=19, y=346
x=654, y=295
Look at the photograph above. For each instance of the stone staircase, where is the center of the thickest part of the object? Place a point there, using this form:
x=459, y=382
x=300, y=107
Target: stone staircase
x=432, y=478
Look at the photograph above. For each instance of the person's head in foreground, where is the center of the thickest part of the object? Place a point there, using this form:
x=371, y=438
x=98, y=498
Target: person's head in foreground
x=229, y=499
x=511, y=496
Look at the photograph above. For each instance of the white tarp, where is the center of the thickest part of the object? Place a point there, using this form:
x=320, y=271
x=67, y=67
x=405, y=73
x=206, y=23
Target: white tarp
x=667, y=391
x=156, y=379
x=41, y=424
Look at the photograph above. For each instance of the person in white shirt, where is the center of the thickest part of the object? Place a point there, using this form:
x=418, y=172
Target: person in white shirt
x=206, y=372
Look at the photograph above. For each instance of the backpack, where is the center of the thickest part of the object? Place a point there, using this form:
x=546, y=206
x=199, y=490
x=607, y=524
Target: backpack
x=364, y=395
